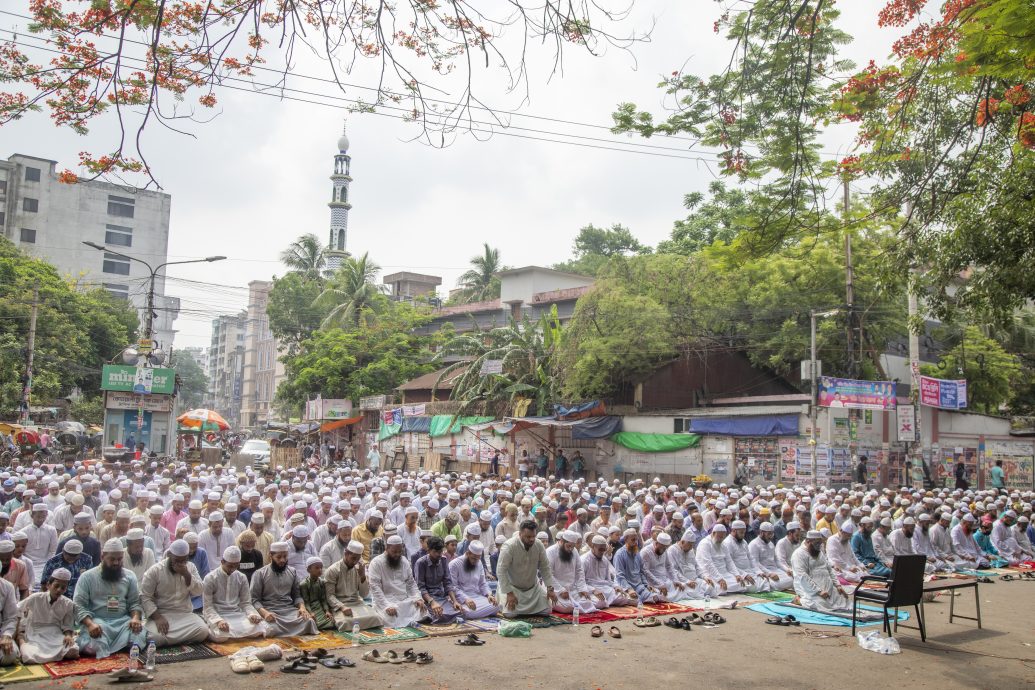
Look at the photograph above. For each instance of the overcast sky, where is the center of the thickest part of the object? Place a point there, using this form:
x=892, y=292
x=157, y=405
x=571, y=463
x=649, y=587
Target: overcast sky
x=256, y=176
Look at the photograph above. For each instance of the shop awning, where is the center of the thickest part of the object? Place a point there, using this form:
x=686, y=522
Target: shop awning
x=444, y=424
x=655, y=443
x=767, y=425
x=339, y=423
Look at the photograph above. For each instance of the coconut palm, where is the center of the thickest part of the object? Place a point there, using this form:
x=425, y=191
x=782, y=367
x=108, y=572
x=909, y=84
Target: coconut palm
x=481, y=282
x=350, y=291
x=305, y=256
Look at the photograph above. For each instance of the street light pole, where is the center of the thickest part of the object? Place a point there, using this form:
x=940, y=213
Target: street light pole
x=813, y=315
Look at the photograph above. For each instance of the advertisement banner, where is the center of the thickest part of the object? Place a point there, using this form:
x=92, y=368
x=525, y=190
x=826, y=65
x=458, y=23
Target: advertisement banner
x=144, y=380
x=123, y=378
x=414, y=410
x=372, y=402
x=150, y=403
x=860, y=395
x=336, y=409
x=906, y=423
x=948, y=395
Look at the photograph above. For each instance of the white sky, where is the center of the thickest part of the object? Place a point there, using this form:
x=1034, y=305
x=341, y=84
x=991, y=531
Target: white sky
x=256, y=176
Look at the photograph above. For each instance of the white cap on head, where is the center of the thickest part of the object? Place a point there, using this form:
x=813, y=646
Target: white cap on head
x=848, y=527
x=232, y=554
x=73, y=547
x=476, y=547
x=793, y=525
x=719, y=528
x=313, y=560
x=135, y=534
x=765, y=527
x=302, y=532
x=813, y=534
x=688, y=536
x=664, y=538
x=738, y=524
x=62, y=574
x=6, y=546
x=113, y=546
x=355, y=547
x=394, y=539
x=179, y=548
x=280, y=547
x=909, y=521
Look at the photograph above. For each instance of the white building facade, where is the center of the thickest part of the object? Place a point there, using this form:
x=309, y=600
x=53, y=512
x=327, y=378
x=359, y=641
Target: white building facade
x=51, y=219
x=263, y=371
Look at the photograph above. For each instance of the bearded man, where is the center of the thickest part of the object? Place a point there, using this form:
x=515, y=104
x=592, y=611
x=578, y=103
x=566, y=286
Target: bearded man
x=107, y=601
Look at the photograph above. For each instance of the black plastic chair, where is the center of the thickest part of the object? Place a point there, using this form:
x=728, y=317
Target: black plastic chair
x=905, y=587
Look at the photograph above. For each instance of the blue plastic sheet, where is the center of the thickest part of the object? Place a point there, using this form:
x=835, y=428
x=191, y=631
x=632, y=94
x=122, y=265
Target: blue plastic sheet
x=768, y=425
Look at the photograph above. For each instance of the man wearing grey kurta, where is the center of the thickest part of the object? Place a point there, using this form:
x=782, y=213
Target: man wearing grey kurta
x=521, y=564
x=228, y=608
x=165, y=596
x=347, y=585
x=276, y=596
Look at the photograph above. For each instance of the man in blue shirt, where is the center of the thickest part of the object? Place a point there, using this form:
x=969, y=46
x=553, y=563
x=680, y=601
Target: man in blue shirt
x=629, y=567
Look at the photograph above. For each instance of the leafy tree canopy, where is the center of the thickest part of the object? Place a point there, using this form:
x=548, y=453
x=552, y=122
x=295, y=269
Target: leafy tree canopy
x=987, y=367
x=192, y=381
x=594, y=247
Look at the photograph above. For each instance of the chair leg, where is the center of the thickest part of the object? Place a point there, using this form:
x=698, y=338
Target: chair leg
x=920, y=619
x=887, y=622
x=855, y=610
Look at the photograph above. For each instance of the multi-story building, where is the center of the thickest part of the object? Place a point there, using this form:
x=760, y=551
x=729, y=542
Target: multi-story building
x=226, y=365
x=51, y=219
x=263, y=370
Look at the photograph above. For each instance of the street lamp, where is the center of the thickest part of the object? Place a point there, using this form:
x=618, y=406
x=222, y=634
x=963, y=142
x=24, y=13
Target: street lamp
x=149, y=322
x=813, y=314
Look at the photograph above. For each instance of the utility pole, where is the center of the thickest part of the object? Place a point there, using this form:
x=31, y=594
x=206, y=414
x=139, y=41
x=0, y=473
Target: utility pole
x=149, y=321
x=849, y=286
x=27, y=389
x=914, y=361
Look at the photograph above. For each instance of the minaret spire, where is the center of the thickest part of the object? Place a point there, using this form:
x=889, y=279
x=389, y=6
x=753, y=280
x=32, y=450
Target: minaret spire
x=340, y=204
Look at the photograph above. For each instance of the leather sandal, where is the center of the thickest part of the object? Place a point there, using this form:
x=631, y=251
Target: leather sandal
x=596, y=631
x=673, y=623
x=615, y=632
x=776, y=621
x=685, y=624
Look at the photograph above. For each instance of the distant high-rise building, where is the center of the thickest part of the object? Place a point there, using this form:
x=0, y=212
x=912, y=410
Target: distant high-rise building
x=263, y=370
x=51, y=219
x=226, y=365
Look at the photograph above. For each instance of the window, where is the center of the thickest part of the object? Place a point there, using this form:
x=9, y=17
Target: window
x=32, y=174
x=3, y=186
x=3, y=219
x=29, y=235
x=120, y=206
x=117, y=290
x=118, y=234
x=115, y=264
x=30, y=205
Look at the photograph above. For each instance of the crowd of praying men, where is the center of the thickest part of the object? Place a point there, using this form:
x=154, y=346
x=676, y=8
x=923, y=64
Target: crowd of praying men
x=95, y=559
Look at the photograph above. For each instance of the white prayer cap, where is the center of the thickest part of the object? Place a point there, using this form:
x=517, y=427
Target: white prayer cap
x=191, y=537
x=232, y=554
x=214, y=495
x=688, y=536
x=544, y=535
x=77, y=499
x=135, y=534
x=375, y=514
x=909, y=521
x=793, y=525
x=664, y=538
x=215, y=516
x=865, y=521
x=969, y=517
x=313, y=560
x=73, y=547
x=434, y=504
x=848, y=527
x=830, y=510
x=6, y=546
x=156, y=510
x=500, y=539
x=738, y=524
x=1010, y=514
x=719, y=528
x=813, y=534
x=179, y=548
x=334, y=519
x=765, y=527
x=302, y=532
x=476, y=547
x=474, y=530
x=886, y=522
x=281, y=547
x=411, y=510
x=194, y=505
x=449, y=538
x=258, y=519
x=112, y=546
x=39, y=508
x=1023, y=518
x=598, y=540
x=61, y=574
x=485, y=515
x=356, y=546
x=395, y=539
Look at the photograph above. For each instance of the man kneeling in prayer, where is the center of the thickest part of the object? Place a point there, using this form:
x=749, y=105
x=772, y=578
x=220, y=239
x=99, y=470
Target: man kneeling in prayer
x=165, y=596
x=47, y=630
x=814, y=581
x=435, y=585
x=569, y=576
x=472, y=590
x=227, y=597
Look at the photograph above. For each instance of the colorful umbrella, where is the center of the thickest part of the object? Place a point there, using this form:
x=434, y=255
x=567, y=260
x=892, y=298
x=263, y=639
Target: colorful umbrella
x=202, y=418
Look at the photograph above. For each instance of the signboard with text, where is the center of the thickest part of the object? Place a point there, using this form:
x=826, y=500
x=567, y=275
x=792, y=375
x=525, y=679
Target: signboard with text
x=123, y=378
x=860, y=395
x=906, y=423
x=150, y=403
x=948, y=395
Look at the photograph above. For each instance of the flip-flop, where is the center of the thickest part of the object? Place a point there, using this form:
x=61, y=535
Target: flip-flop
x=408, y=656
x=685, y=624
x=596, y=631
x=716, y=618
x=119, y=673
x=342, y=662
x=136, y=677
x=651, y=622
x=320, y=653
x=672, y=623
x=393, y=657
x=375, y=656
x=473, y=637
x=1005, y=578
x=424, y=658
x=791, y=620
x=330, y=663
x=695, y=619
x=467, y=642
x=295, y=667
x=615, y=632
x=776, y=621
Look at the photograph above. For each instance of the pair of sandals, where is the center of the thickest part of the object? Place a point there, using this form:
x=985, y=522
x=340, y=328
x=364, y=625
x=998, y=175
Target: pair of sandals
x=708, y=620
x=392, y=657
x=650, y=622
x=128, y=675
x=1015, y=578
x=246, y=664
x=680, y=624
x=613, y=631
x=470, y=640
x=783, y=620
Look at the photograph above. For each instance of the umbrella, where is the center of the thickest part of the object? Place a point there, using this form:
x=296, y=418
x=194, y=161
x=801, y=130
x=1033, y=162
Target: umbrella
x=202, y=418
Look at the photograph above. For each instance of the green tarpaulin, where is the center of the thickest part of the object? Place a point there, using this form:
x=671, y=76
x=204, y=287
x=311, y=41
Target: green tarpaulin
x=443, y=424
x=388, y=431
x=655, y=443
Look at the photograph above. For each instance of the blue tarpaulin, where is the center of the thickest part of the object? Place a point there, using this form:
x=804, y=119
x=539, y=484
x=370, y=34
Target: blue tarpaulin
x=596, y=427
x=769, y=425
x=416, y=425
x=593, y=408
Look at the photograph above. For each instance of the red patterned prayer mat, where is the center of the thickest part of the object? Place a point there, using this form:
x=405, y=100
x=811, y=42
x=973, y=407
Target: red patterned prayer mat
x=594, y=618
x=87, y=665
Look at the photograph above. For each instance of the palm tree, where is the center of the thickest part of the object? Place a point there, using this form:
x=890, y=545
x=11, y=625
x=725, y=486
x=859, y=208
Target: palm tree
x=350, y=291
x=305, y=255
x=481, y=282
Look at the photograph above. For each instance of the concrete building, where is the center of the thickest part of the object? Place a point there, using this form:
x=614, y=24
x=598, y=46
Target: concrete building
x=406, y=286
x=263, y=371
x=226, y=365
x=51, y=220
x=340, y=206
x=198, y=354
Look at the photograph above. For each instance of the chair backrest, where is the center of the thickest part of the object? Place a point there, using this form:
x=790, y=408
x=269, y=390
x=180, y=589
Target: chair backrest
x=907, y=580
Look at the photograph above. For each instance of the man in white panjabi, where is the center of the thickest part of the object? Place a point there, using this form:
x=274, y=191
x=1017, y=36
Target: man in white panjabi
x=716, y=564
x=393, y=588
x=165, y=597
x=657, y=570
x=467, y=574
x=601, y=577
x=736, y=546
x=941, y=540
x=923, y=544
x=139, y=559
x=523, y=572
x=842, y=558
x=227, y=598
x=814, y=581
x=763, y=555
x=47, y=629
x=901, y=541
x=568, y=575
x=683, y=560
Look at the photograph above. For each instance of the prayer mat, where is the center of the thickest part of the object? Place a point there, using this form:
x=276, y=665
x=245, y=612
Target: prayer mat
x=486, y=625
x=183, y=652
x=19, y=673
x=87, y=665
x=810, y=617
x=323, y=640
x=448, y=629
x=384, y=635
x=667, y=609
x=594, y=618
x=534, y=621
x=774, y=596
x=976, y=573
x=233, y=646
x=623, y=613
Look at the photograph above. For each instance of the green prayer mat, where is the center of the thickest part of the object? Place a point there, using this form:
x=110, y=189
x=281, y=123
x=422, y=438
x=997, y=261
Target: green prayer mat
x=19, y=673
x=383, y=635
x=448, y=629
x=773, y=596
